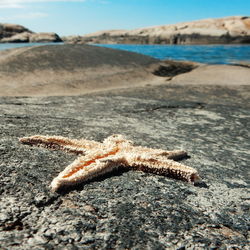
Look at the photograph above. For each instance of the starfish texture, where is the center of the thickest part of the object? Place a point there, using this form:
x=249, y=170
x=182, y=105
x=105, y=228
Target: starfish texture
x=99, y=158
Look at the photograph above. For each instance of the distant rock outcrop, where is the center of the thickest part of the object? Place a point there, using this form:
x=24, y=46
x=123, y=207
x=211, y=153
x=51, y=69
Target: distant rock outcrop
x=11, y=33
x=44, y=37
x=18, y=38
x=9, y=30
x=207, y=31
x=74, y=39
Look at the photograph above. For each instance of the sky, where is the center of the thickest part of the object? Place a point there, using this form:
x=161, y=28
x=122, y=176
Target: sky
x=79, y=17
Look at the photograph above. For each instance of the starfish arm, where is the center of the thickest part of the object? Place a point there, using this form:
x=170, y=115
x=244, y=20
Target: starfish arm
x=115, y=151
x=173, y=155
x=128, y=145
x=161, y=166
x=60, y=143
x=86, y=168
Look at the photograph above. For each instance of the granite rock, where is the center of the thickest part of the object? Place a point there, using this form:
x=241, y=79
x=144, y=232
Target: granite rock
x=8, y=30
x=128, y=210
x=123, y=209
x=234, y=29
x=12, y=33
x=44, y=37
x=72, y=39
x=26, y=37
x=63, y=69
x=18, y=38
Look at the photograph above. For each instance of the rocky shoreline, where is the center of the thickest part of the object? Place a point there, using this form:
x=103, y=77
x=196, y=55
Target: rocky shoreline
x=203, y=109
x=13, y=33
x=228, y=30
x=72, y=69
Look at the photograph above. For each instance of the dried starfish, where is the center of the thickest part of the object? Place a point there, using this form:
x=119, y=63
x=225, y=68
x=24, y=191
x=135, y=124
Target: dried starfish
x=100, y=158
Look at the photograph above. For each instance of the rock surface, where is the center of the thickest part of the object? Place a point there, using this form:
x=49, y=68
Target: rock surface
x=129, y=210
x=124, y=209
x=44, y=37
x=214, y=74
x=18, y=38
x=8, y=30
x=12, y=33
x=80, y=69
x=208, y=31
x=71, y=69
x=26, y=37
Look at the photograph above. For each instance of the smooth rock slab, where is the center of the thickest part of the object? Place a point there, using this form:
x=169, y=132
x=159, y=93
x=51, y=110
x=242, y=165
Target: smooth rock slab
x=128, y=209
x=235, y=29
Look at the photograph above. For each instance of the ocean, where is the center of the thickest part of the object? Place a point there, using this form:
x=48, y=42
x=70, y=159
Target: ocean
x=210, y=54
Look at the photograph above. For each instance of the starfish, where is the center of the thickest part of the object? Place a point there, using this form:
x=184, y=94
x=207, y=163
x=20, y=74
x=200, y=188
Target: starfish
x=99, y=158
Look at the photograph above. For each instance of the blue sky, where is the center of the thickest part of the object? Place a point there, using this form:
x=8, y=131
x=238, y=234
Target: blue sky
x=72, y=17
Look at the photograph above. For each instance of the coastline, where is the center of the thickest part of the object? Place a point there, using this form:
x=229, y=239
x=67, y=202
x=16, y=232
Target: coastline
x=80, y=69
x=203, y=109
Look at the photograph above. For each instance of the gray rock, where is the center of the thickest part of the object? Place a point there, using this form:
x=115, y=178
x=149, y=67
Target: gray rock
x=129, y=210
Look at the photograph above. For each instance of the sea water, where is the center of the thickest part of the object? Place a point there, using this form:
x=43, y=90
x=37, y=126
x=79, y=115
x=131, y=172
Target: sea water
x=210, y=54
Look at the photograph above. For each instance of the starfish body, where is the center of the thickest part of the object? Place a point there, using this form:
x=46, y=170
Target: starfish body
x=99, y=158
